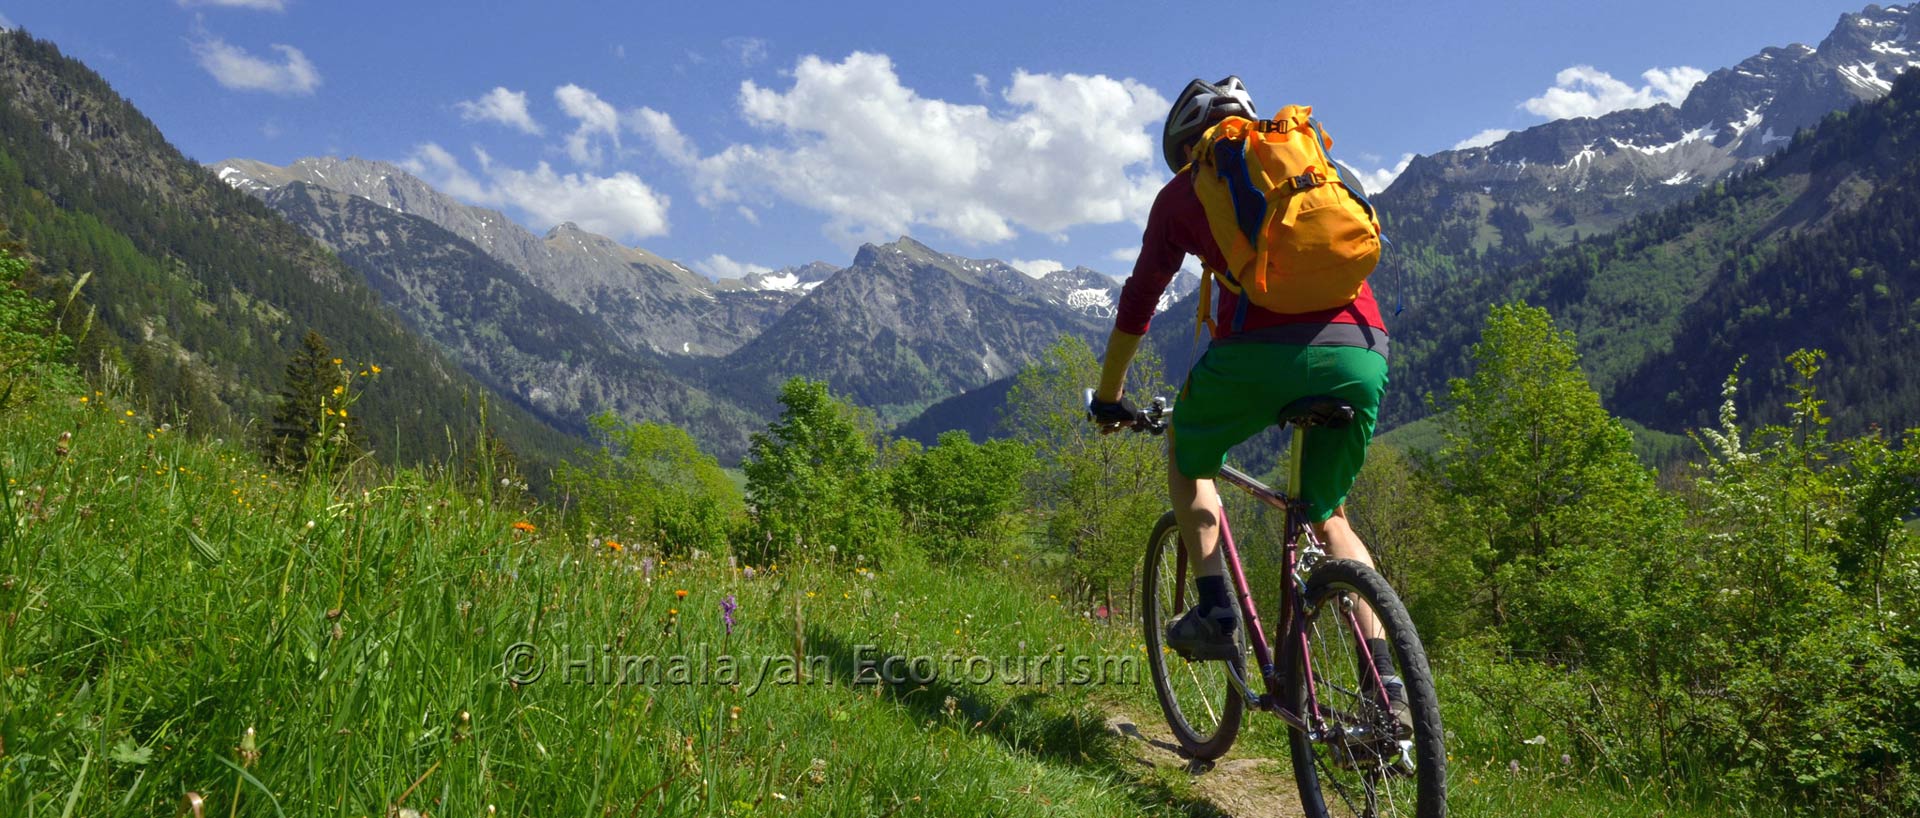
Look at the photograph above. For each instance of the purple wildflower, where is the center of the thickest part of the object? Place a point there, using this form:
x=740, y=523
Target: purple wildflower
x=646, y=568
x=727, y=607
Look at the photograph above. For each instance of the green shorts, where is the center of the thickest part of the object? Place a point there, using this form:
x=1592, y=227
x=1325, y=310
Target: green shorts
x=1235, y=390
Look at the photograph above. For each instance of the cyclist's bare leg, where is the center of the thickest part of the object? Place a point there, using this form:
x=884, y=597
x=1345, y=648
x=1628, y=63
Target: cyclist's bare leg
x=1343, y=543
x=1196, y=505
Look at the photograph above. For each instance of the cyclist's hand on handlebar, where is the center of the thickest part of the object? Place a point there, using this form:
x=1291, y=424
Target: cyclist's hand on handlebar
x=1111, y=416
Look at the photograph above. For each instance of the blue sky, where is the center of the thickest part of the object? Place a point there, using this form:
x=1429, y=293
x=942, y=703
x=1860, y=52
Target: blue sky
x=741, y=135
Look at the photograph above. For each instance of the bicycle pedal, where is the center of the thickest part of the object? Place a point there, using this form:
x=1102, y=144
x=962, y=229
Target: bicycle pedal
x=1222, y=654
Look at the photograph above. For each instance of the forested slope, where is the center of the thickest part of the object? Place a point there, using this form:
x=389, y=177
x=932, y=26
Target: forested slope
x=202, y=292
x=1763, y=263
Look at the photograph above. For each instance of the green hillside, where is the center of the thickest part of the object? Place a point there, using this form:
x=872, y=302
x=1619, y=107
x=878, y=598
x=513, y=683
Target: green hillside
x=387, y=642
x=1812, y=249
x=203, y=293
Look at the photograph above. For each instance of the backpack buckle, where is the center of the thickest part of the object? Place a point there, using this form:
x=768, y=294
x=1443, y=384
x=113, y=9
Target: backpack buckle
x=1308, y=181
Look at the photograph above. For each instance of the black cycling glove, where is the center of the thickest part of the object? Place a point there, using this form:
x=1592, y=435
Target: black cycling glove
x=1105, y=413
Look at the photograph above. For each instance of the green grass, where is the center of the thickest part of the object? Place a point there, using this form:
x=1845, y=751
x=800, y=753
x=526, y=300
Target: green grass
x=162, y=596
x=1655, y=448
x=1425, y=436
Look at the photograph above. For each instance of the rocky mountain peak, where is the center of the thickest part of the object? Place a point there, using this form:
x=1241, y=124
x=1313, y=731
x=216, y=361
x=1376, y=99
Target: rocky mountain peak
x=1575, y=177
x=649, y=302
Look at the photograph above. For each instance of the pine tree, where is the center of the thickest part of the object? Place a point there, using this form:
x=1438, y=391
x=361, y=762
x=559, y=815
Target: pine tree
x=311, y=402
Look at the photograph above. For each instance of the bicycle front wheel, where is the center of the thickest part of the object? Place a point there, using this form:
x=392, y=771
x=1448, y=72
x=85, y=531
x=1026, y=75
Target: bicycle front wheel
x=1362, y=760
x=1202, y=707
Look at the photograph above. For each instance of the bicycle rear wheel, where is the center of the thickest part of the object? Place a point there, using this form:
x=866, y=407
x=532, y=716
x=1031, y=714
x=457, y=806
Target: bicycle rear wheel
x=1202, y=707
x=1362, y=763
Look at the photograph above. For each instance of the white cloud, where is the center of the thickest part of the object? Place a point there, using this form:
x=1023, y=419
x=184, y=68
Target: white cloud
x=1036, y=268
x=748, y=214
x=597, y=118
x=1378, y=179
x=620, y=205
x=234, y=68
x=666, y=138
x=502, y=106
x=748, y=51
x=718, y=266
x=1128, y=254
x=6, y=24
x=1585, y=91
x=260, y=5
x=1482, y=139
x=849, y=140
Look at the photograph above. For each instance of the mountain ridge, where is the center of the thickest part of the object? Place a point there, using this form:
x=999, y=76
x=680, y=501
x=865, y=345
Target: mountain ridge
x=203, y=293
x=1566, y=178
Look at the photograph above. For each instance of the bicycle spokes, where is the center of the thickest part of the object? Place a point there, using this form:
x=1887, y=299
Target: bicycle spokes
x=1365, y=764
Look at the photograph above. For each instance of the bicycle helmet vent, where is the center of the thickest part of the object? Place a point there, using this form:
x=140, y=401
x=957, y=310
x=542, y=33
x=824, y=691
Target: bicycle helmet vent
x=1198, y=107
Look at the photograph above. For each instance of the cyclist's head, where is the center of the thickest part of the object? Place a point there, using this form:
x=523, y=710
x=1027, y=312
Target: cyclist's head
x=1199, y=106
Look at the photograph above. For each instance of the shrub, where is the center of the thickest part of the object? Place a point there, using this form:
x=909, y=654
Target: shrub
x=961, y=501
x=650, y=483
x=814, y=485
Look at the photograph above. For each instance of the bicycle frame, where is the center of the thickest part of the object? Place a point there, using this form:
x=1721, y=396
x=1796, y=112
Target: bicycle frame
x=1292, y=604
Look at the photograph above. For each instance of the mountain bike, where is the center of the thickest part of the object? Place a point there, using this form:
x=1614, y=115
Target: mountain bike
x=1351, y=755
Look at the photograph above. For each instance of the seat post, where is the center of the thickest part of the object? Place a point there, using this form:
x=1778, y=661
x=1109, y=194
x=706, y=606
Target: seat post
x=1298, y=456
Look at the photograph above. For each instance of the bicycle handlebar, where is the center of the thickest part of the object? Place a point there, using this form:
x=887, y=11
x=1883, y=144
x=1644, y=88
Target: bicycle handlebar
x=1151, y=420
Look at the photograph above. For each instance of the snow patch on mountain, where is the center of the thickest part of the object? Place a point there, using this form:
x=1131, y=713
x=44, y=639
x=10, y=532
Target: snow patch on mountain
x=1586, y=154
x=1702, y=133
x=1091, y=301
x=786, y=281
x=1866, y=75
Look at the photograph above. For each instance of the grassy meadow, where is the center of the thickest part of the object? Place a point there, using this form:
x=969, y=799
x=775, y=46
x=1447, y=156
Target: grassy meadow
x=176, y=619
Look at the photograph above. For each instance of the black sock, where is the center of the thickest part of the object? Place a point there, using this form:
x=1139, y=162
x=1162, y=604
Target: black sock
x=1215, y=601
x=1213, y=592
x=1382, y=658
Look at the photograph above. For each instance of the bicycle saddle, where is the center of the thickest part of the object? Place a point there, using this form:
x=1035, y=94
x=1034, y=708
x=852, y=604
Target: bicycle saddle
x=1317, y=410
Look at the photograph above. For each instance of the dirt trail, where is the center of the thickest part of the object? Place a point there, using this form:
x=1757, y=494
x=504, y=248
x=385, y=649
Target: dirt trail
x=1239, y=787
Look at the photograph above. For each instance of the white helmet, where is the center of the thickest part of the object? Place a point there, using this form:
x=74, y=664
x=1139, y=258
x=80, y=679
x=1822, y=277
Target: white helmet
x=1199, y=106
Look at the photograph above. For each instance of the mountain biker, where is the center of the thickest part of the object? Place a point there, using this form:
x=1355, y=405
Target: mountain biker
x=1238, y=386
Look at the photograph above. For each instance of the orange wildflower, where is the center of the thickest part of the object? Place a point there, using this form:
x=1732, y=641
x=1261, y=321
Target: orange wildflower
x=613, y=546
x=523, y=525
x=680, y=593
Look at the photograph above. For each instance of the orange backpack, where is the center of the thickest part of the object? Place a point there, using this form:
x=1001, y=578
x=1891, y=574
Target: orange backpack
x=1297, y=236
